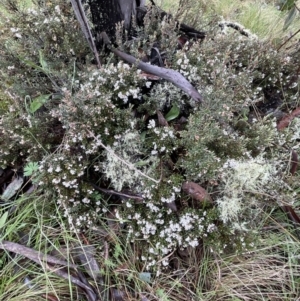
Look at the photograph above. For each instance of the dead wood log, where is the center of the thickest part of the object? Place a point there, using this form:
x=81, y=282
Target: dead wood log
x=170, y=75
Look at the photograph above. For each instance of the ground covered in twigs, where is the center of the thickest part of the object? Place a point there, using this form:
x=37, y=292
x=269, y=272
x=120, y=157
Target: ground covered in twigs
x=117, y=185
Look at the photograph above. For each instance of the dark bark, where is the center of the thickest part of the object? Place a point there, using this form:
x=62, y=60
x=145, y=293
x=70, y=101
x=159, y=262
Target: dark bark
x=106, y=14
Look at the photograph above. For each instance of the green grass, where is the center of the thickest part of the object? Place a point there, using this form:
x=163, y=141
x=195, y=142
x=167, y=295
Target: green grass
x=271, y=270
x=259, y=16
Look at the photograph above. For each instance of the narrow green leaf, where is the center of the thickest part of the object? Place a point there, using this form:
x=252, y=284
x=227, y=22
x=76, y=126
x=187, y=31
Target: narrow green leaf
x=173, y=113
x=37, y=102
x=290, y=18
x=141, y=163
x=31, y=64
x=143, y=136
x=43, y=62
x=3, y=219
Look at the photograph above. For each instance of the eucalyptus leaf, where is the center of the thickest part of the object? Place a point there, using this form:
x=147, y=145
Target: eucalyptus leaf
x=145, y=276
x=290, y=18
x=38, y=101
x=12, y=188
x=3, y=219
x=173, y=113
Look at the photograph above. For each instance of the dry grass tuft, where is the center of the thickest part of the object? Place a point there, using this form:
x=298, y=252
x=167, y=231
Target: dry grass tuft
x=266, y=274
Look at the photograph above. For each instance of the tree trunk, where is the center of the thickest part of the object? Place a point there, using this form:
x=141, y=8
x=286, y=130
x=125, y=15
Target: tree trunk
x=107, y=13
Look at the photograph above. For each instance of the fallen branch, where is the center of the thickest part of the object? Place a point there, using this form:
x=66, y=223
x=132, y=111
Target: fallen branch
x=170, y=75
x=47, y=262
x=120, y=194
x=32, y=254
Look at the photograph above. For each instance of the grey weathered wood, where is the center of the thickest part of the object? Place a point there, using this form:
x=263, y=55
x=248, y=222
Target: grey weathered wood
x=128, y=9
x=82, y=19
x=168, y=74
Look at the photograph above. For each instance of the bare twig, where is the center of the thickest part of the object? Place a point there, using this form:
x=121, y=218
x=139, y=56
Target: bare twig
x=286, y=41
x=47, y=261
x=121, y=194
x=32, y=254
x=82, y=19
x=66, y=275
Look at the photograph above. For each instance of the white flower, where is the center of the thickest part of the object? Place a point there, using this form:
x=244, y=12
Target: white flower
x=232, y=163
x=187, y=221
x=32, y=11
x=134, y=92
x=151, y=124
x=116, y=85
x=211, y=228
x=194, y=243
x=56, y=181
x=170, y=199
x=152, y=207
x=171, y=134
x=137, y=216
x=176, y=189
x=57, y=9
x=123, y=96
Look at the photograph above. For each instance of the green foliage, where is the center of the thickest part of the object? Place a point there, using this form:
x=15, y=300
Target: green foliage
x=286, y=4
x=38, y=102
x=173, y=113
x=78, y=126
x=30, y=168
x=3, y=219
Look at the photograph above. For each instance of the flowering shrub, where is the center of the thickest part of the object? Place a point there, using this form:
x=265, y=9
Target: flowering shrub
x=102, y=128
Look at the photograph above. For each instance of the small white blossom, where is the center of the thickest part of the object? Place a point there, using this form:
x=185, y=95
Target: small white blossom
x=57, y=9
x=151, y=124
